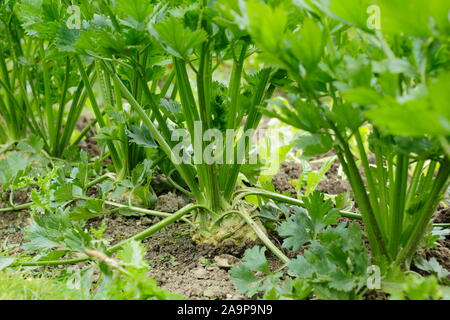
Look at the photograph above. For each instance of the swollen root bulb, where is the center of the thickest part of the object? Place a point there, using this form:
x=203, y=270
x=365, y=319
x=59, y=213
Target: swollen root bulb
x=229, y=226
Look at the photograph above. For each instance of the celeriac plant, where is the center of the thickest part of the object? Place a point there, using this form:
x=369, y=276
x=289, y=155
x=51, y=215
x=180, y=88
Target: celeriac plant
x=192, y=39
x=42, y=91
x=350, y=76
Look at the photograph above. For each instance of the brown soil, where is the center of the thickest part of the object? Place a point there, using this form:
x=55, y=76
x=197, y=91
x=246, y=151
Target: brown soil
x=288, y=171
x=442, y=215
x=332, y=183
x=176, y=262
x=12, y=225
x=89, y=143
x=19, y=197
x=169, y=202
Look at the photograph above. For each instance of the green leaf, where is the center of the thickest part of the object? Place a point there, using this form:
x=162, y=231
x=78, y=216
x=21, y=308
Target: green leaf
x=255, y=259
x=141, y=136
x=244, y=275
x=313, y=178
x=335, y=264
x=244, y=280
x=320, y=211
x=432, y=266
x=409, y=18
x=140, y=172
x=308, y=44
x=413, y=287
x=175, y=38
x=266, y=24
x=352, y=11
x=314, y=144
x=173, y=110
x=89, y=209
x=389, y=115
x=137, y=9
x=32, y=144
x=362, y=96
x=294, y=230
x=303, y=116
x=64, y=193
x=56, y=230
x=133, y=252
x=346, y=116
x=308, y=222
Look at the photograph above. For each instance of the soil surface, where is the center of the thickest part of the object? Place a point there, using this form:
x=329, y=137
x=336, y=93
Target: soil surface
x=331, y=183
x=282, y=181
x=177, y=263
x=89, y=144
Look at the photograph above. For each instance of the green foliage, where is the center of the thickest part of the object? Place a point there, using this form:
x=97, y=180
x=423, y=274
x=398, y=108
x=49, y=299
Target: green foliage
x=368, y=79
x=415, y=287
x=243, y=275
x=376, y=92
x=12, y=166
x=334, y=266
x=19, y=286
x=433, y=267
x=131, y=281
x=177, y=39
x=429, y=114
x=55, y=230
x=308, y=222
x=310, y=179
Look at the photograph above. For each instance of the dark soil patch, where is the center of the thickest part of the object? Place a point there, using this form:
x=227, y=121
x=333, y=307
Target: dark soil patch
x=89, y=144
x=19, y=197
x=331, y=183
x=12, y=225
x=288, y=171
x=442, y=215
x=169, y=202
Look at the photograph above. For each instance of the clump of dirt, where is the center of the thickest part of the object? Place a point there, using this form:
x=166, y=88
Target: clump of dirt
x=376, y=295
x=19, y=197
x=89, y=144
x=288, y=171
x=332, y=182
x=442, y=215
x=12, y=225
x=169, y=202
